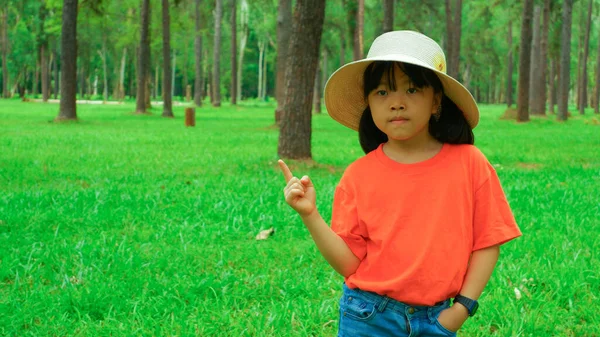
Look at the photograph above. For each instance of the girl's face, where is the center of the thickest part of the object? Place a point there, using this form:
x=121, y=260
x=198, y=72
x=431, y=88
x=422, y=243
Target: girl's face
x=402, y=114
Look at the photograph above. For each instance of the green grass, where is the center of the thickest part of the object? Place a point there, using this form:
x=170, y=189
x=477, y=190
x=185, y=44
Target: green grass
x=135, y=225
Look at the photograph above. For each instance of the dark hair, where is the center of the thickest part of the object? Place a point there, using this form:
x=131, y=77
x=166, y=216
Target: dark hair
x=452, y=127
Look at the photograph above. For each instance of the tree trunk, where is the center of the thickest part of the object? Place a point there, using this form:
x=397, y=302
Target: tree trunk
x=581, y=22
x=167, y=82
x=524, y=63
x=143, y=58
x=43, y=48
x=35, y=79
x=359, y=31
x=233, y=89
x=586, y=47
x=56, y=76
x=342, y=47
x=351, y=7
x=82, y=75
x=552, y=85
x=261, y=55
x=317, y=92
x=45, y=72
x=105, y=71
x=216, y=87
x=295, y=134
x=284, y=30
x=68, y=60
x=543, y=82
x=565, y=60
x=265, y=73
x=388, y=15
x=199, y=80
x=4, y=47
x=534, y=75
x=156, y=81
x=173, y=72
x=244, y=38
x=509, y=62
x=453, y=35
x=121, y=86
x=597, y=87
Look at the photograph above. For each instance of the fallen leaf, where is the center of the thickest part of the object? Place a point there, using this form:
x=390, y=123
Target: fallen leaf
x=263, y=235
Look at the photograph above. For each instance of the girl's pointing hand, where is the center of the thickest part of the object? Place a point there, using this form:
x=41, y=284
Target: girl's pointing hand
x=299, y=193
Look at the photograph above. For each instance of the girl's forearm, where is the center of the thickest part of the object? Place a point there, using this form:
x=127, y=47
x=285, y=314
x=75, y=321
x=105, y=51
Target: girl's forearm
x=333, y=248
x=479, y=271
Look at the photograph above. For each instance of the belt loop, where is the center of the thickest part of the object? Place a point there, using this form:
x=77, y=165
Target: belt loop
x=383, y=304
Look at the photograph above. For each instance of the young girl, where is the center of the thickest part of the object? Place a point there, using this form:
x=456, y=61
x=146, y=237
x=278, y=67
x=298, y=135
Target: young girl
x=417, y=222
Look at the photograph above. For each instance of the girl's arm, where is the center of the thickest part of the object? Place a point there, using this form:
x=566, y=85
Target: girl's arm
x=300, y=195
x=480, y=269
x=333, y=248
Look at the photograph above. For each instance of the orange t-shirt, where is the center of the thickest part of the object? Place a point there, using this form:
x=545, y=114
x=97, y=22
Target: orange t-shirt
x=414, y=226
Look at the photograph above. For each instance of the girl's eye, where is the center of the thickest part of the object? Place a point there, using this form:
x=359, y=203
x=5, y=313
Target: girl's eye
x=412, y=90
x=381, y=92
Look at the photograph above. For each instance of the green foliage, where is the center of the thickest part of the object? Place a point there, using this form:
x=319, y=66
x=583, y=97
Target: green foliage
x=123, y=224
x=115, y=25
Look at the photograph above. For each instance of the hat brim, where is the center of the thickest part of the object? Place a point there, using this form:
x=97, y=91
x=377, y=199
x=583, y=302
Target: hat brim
x=344, y=94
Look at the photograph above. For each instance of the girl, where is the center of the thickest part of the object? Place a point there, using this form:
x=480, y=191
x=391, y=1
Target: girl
x=417, y=222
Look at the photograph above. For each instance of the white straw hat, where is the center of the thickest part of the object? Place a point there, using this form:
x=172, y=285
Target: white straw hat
x=344, y=94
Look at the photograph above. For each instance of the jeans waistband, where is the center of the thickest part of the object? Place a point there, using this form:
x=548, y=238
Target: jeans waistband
x=383, y=302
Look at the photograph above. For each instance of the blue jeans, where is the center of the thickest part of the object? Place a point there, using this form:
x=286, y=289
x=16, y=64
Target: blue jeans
x=367, y=314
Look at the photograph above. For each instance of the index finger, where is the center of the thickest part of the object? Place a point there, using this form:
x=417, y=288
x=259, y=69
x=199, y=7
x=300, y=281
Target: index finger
x=287, y=174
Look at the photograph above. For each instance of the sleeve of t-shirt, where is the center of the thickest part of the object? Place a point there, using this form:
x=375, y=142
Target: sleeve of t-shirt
x=344, y=222
x=493, y=222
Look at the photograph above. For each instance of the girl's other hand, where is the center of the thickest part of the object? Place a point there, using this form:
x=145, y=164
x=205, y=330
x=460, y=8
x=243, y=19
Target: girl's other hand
x=299, y=193
x=454, y=317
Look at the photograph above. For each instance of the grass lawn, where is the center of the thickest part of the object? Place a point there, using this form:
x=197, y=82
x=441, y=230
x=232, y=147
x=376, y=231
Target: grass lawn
x=123, y=224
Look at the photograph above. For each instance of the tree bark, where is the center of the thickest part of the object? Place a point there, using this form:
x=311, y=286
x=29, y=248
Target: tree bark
x=121, y=88
x=359, y=32
x=35, y=78
x=509, y=62
x=586, y=47
x=388, y=15
x=244, y=38
x=284, y=30
x=4, y=47
x=199, y=80
x=597, y=86
x=105, y=71
x=565, y=60
x=295, y=134
x=524, y=63
x=534, y=75
x=156, y=81
x=233, y=52
x=143, y=58
x=351, y=7
x=317, y=92
x=45, y=72
x=453, y=35
x=43, y=48
x=216, y=87
x=167, y=76
x=68, y=84
x=56, y=76
x=261, y=53
x=552, y=85
x=543, y=76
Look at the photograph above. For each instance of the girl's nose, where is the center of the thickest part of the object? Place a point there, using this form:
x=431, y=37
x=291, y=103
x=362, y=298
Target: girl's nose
x=396, y=101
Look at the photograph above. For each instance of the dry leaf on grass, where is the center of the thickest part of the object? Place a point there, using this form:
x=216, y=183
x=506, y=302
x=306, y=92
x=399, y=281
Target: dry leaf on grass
x=263, y=235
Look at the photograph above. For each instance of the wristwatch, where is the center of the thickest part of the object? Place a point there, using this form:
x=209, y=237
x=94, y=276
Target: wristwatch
x=468, y=303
